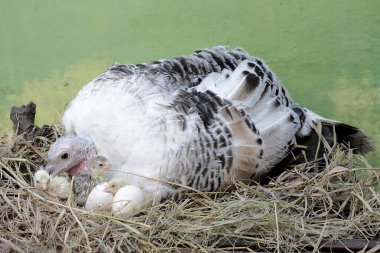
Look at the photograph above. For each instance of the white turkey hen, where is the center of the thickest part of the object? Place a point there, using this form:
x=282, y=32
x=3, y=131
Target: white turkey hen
x=197, y=121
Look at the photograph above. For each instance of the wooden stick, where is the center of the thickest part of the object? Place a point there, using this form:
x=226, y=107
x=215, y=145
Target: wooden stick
x=23, y=122
x=326, y=245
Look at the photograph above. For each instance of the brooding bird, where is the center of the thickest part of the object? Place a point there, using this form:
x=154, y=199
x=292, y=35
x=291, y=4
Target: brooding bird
x=200, y=121
x=86, y=181
x=56, y=186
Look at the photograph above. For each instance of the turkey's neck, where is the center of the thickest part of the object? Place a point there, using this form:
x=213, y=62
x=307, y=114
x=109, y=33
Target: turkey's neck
x=88, y=147
x=88, y=153
x=81, y=167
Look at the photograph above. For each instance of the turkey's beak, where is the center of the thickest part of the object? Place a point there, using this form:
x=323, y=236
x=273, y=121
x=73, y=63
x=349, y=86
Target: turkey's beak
x=52, y=169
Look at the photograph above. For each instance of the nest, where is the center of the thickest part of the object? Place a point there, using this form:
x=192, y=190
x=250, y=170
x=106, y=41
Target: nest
x=304, y=209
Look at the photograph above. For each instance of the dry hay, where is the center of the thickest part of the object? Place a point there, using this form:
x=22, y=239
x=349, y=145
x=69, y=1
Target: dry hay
x=301, y=210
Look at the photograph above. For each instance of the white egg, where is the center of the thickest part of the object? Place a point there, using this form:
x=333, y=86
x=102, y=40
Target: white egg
x=128, y=201
x=98, y=199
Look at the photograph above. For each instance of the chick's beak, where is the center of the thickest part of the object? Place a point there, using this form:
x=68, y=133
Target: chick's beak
x=44, y=187
x=108, y=190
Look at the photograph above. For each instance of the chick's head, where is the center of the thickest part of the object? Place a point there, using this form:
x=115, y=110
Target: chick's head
x=115, y=184
x=41, y=179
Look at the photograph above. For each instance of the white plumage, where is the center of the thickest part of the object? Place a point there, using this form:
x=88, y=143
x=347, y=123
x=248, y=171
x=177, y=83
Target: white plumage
x=198, y=120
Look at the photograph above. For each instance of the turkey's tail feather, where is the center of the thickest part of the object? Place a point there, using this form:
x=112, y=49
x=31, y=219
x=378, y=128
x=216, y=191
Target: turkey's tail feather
x=330, y=133
x=355, y=138
x=333, y=132
x=320, y=139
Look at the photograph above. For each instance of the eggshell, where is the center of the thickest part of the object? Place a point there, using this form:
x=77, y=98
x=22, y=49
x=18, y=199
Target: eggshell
x=98, y=199
x=128, y=201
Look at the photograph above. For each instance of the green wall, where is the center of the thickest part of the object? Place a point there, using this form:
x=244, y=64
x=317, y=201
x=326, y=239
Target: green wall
x=326, y=52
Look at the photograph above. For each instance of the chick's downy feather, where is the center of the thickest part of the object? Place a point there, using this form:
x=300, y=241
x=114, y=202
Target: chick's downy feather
x=58, y=186
x=85, y=182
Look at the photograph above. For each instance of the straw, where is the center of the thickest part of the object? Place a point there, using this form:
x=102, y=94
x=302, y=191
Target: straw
x=304, y=209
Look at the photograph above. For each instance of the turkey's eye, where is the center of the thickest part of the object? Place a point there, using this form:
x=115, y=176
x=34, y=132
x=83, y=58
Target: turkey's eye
x=64, y=156
x=100, y=164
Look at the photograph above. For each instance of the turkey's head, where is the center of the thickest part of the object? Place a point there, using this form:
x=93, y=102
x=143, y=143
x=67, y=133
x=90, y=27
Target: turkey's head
x=70, y=154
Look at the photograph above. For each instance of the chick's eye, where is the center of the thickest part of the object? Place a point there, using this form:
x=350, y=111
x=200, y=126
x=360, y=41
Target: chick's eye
x=64, y=156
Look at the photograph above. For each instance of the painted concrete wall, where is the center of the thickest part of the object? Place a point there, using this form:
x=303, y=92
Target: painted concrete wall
x=326, y=52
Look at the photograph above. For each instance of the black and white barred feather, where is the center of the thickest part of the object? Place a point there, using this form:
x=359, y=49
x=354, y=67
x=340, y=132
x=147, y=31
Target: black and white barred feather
x=226, y=143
